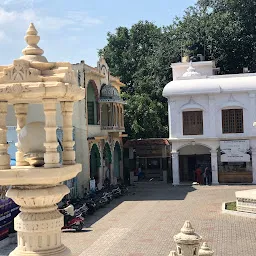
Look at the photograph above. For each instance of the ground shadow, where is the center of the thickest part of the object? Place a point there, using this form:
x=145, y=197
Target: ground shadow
x=142, y=192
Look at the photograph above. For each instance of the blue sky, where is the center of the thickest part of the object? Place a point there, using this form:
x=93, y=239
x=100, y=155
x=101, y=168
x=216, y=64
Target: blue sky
x=75, y=30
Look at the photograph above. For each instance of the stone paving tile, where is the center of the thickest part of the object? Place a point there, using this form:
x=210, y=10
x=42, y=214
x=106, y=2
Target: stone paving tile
x=144, y=223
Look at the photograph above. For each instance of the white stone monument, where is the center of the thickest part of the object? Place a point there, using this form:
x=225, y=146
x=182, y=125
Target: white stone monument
x=32, y=79
x=188, y=243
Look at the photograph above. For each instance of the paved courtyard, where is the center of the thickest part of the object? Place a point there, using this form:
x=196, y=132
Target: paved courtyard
x=144, y=223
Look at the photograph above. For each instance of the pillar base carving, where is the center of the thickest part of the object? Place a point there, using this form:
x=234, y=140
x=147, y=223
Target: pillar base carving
x=39, y=223
x=61, y=251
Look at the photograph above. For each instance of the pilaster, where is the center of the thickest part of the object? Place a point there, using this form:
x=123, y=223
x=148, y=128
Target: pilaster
x=253, y=151
x=252, y=113
x=214, y=167
x=68, y=143
x=51, y=156
x=212, y=116
x=4, y=156
x=175, y=168
x=21, y=111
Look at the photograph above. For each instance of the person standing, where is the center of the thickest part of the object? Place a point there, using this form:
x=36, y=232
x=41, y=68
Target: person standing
x=207, y=173
x=198, y=175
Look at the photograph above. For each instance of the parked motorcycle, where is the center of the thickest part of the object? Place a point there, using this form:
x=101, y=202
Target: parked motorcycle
x=75, y=222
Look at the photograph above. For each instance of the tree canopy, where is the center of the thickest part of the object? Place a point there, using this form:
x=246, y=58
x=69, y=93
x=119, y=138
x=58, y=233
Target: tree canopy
x=221, y=30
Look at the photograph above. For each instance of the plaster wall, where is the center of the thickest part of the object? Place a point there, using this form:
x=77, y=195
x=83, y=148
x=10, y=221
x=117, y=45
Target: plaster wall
x=212, y=106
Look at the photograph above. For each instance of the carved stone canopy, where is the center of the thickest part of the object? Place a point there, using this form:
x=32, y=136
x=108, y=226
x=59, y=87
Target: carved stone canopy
x=32, y=78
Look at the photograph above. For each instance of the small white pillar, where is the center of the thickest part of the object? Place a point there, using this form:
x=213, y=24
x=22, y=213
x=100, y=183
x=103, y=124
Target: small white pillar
x=51, y=156
x=4, y=156
x=68, y=143
x=175, y=168
x=253, y=150
x=21, y=111
x=214, y=166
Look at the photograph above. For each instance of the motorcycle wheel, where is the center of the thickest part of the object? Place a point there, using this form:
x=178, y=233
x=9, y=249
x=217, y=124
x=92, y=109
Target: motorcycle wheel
x=79, y=227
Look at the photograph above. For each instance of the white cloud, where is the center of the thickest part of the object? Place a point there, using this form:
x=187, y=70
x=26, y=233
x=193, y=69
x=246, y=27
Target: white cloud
x=7, y=17
x=25, y=3
x=73, y=20
x=83, y=18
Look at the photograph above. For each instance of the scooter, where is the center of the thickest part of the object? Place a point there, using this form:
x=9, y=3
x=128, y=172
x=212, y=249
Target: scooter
x=76, y=222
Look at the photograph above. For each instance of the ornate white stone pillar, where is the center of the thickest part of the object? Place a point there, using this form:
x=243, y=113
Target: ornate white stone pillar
x=253, y=150
x=39, y=224
x=51, y=156
x=175, y=168
x=214, y=166
x=68, y=143
x=4, y=156
x=21, y=111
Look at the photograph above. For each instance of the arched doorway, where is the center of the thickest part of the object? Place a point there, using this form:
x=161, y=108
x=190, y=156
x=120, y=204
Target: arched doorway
x=107, y=158
x=117, y=159
x=92, y=103
x=190, y=157
x=94, y=162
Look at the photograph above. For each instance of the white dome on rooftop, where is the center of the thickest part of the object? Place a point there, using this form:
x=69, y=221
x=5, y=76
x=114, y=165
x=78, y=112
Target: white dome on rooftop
x=191, y=72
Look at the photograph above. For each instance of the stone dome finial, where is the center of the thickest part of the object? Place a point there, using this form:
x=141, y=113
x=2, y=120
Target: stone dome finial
x=187, y=228
x=205, y=250
x=191, y=71
x=187, y=235
x=32, y=52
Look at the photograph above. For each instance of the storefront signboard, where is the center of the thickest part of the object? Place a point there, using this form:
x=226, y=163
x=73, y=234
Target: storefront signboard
x=235, y=151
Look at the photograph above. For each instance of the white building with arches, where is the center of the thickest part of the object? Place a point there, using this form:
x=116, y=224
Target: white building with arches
x=211, y=123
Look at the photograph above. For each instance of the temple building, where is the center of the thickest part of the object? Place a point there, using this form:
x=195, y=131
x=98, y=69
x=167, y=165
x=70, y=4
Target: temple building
x=211, y=123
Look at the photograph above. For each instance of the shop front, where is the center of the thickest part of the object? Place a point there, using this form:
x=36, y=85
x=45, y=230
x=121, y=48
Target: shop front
x=152, y=157
x=235, y=162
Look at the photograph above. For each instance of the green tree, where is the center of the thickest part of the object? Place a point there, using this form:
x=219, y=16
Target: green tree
x=223, y=30
x=134, y=55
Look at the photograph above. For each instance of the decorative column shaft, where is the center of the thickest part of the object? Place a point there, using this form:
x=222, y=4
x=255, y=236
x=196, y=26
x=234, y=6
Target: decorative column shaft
x=21, y=111
x=68, y=143
x=175, y=168
x=51, y=156
x=39, y=224
x=4, y=156
x=214, y=166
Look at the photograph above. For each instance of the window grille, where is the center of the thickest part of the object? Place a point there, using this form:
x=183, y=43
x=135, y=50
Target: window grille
x=192, y=122
x=232, y=121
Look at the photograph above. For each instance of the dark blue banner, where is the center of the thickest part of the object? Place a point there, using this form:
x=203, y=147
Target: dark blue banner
x=8, y=211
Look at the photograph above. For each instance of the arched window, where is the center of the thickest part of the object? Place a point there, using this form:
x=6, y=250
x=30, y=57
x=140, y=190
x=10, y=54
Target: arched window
x=92, y=103
x=94, y=162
